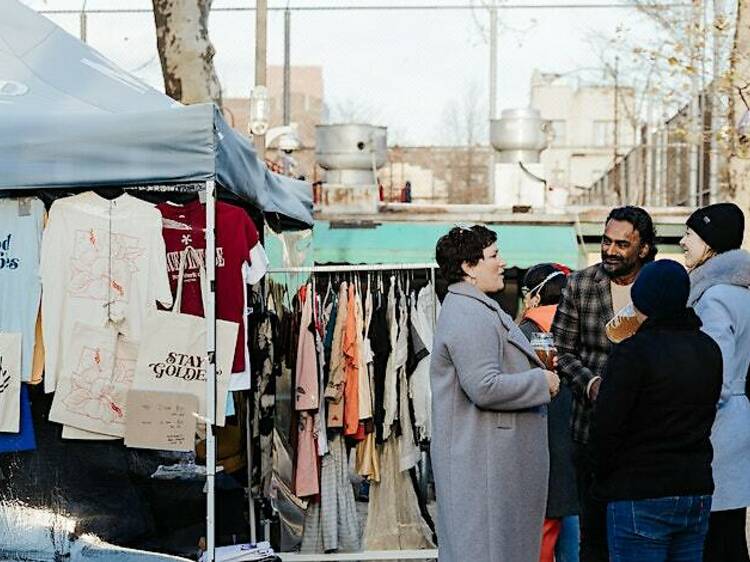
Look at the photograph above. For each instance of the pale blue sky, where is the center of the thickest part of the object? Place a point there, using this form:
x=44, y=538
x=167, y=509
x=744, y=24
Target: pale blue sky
x=403, y=67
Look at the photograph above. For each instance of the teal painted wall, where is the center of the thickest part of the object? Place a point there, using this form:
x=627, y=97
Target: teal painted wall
x=404, y=242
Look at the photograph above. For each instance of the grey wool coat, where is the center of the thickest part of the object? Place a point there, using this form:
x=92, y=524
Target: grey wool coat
x=489, y=445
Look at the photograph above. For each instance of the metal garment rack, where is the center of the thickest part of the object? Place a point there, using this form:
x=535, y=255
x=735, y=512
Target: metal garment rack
x=348, y=268
x=423, y=554
x=209, y=309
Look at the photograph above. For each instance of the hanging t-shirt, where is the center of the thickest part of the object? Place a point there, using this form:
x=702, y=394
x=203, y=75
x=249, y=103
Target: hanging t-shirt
x=236, y=235
x=103, y=262
x=21, y=226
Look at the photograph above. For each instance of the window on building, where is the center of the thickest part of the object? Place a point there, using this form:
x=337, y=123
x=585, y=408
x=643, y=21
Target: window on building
x=604, y=133
x=559, y=126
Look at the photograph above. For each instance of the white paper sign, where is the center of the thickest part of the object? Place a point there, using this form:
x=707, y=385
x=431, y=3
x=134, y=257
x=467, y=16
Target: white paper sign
x=161, y=420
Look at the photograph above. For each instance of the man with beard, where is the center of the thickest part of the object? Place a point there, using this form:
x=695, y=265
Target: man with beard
x=589, y=301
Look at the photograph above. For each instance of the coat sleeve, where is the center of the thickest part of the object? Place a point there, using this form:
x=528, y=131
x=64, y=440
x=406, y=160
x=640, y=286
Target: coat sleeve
x=617, y=395
x=566, y=330
x=719, y=323
x=477, y=355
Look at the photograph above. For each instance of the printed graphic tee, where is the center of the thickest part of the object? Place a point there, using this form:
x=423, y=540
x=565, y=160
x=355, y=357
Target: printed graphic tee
x=21, y=226
x=103, y=264
x=236, y=236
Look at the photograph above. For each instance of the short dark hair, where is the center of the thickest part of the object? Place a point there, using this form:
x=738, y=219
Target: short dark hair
x=462, y=244
x=551, y=292
x=641, y=222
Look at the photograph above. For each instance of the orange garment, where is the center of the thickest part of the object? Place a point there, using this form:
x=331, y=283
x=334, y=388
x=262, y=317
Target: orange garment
x=550, y=534
x=368, y=459
x=542, y=316
x=37, y=364
x=351, y=367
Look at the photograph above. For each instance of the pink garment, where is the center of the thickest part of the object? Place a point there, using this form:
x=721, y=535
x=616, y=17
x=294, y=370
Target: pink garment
x=307, y=391
x=306, y=480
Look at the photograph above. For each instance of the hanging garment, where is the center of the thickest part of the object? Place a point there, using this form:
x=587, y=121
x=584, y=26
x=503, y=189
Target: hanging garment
x=319, y=347
x=393, y=519
x=408, y=451
x=306, y=481
x=37, y=361
x=332, y=524
x=419, y=382
x=264, y=334
x=25, y=439
x=21, y=226
x=306, y=391
x=352, y=361
x=368, y=459
x=380, y=339
x=236, y=237
x=365, y=357
x=390, y=391
x=103, y=261
x=10, y=382
x=336, y=378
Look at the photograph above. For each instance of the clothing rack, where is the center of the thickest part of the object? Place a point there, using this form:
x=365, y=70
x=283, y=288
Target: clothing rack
x=367, y=267
x=348, y=268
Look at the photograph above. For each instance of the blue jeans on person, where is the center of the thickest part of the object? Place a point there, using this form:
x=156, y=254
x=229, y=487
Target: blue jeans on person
x=670, y=529
x=566, y=549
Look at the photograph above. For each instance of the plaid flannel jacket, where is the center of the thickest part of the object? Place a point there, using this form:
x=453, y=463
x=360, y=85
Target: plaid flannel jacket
x=581, y=341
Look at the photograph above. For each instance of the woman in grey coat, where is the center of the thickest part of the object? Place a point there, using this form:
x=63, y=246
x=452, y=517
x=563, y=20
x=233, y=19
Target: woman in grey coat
x=489, y=396
x=719, y=281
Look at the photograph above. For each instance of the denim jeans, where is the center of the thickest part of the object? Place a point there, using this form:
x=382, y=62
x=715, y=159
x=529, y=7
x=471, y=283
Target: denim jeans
x=566, y=549
x=670, y=529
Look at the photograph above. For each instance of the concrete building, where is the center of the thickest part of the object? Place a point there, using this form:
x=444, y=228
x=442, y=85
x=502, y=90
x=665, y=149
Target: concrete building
x=583, y=117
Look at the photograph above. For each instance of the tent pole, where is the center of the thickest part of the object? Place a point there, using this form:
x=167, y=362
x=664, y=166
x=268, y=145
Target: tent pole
x=210, y=315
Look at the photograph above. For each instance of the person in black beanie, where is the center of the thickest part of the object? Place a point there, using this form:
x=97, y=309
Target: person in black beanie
x=720, y=277
x=650, y=433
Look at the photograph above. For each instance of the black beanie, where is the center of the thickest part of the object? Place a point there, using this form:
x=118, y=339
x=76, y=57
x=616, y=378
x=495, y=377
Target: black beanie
x=721, y=226
x=661, y=289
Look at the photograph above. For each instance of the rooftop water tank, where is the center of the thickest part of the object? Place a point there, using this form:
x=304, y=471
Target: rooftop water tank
x=350, y=152
x=520, y=135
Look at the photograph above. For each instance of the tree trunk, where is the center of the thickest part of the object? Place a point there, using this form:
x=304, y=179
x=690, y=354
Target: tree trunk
x=739, y=158
x=185, y=51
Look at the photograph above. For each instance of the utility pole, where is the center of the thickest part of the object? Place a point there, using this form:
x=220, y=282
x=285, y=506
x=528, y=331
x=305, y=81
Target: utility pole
x=493, y=90
x=287, y=66
x=694, y=141
x=287, y=79
x=718, y=12
x=83, y=23
x=261, y=61
x=616, y=133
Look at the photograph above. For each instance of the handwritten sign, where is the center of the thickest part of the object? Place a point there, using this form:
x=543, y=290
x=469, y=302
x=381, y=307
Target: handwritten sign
x=161, y=420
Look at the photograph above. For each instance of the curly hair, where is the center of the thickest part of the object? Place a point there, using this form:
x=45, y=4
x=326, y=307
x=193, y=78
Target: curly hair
x=641, y=222
x=461, y=245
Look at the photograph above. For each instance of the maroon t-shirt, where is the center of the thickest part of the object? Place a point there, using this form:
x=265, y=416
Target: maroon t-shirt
x=236, y=235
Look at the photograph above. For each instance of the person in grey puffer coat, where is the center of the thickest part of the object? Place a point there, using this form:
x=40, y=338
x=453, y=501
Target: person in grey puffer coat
x=720, y=294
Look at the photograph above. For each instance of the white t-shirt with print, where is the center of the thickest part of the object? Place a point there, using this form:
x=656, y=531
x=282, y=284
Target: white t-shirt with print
x=103, y=263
